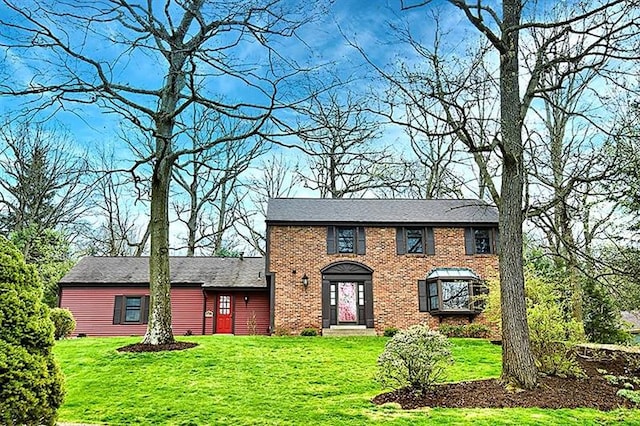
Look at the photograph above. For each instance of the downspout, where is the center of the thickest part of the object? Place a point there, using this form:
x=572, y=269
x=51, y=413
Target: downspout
x=204, y=309
x=272, y=298
x=270, y=278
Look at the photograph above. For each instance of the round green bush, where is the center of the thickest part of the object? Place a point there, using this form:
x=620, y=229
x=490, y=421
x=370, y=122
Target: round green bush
x=391, y=331
x=63, y=322
x=31, y=383
x=309, y=331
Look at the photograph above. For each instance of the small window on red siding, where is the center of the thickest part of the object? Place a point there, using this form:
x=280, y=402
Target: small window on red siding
x=131, y=309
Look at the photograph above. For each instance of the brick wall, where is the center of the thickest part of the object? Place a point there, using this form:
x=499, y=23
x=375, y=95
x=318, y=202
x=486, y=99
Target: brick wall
x=298, y=250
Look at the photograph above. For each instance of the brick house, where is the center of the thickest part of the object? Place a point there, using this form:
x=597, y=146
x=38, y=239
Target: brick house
x=359, y=265
x=370, y=264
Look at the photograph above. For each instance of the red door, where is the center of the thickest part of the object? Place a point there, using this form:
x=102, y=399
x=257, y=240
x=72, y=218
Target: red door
x=223, y=319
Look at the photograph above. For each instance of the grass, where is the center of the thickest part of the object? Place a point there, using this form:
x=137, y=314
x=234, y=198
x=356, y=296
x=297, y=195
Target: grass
x=270, y=380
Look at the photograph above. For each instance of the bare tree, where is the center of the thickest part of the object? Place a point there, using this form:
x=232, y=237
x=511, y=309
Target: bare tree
x=457, y=96
x=190, y=44
x=345, y=155
x=43, y=180
x=567, y=163
x=275, y=178
x=122, y=227
x=209, y=178
x=439, y=170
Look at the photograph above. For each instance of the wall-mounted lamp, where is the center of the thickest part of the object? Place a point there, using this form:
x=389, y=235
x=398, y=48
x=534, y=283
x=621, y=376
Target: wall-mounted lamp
x=305, y=280
x=246, y=299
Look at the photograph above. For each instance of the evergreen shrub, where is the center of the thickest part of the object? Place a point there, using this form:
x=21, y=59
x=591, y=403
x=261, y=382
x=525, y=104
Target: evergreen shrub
x=391, y=331
x=31, y=383
x=309, y=331
x=63, y=322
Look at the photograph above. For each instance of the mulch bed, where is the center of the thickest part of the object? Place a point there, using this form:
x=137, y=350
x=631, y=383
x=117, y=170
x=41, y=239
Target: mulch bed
x=594, y=391
x=139, y=347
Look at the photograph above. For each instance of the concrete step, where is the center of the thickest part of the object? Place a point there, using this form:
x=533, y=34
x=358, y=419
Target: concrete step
x=348, y=330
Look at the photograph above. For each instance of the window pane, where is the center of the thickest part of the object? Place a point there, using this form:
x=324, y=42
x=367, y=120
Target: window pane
x=415, y=241
x=433, y=289
x=132, y=315
x=225, y=305
x=132, y=309
x=433, y=303
x=133, y=302
x=483, y=241
x=433, y=296
x=361, y=294
x=455, y=295
x=333, y=294
x=346, y=240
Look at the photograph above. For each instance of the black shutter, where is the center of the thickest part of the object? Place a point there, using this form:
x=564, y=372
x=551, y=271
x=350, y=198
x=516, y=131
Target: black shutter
x=145, y=309
x=326, y=304
x=331, y=240
x=117, y=309
x=361, y=245
x=400, y=245
x=422, y=296
x=496, y=241
x=368, y=302
x=469, y=243
x=430, y=241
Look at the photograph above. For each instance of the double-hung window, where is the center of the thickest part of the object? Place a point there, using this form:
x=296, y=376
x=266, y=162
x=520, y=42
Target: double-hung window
x=415, y=240
x=346, y=240
x=478, y=240
x=131, y=309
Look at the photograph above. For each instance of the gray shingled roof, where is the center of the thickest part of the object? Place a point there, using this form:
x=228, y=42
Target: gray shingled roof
x=206, y=271
x=391, y=211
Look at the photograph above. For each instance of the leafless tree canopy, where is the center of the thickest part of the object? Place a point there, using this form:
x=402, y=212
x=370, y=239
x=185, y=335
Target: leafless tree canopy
x=43, y=180
x=346, y=154
x=91, y=52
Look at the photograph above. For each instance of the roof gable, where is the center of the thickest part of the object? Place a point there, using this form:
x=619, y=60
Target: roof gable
x=380, y=211
x=204, y=271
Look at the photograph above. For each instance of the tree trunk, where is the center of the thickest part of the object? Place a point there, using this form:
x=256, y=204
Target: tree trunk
x=192, y=222
x=159, y=327
x=221, y=225
x=518, y=366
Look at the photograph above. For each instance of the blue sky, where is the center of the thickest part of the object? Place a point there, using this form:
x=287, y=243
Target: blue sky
x=325, y=41
x=362, y=22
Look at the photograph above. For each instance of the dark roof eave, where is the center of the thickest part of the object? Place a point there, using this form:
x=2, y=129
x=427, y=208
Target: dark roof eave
x=121, y=284
x=381, y=224
x=238, y=288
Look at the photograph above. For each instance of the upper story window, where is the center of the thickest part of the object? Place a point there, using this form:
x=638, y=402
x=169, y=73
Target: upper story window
x=346, y=240
x=481, y=240
x=415, y=240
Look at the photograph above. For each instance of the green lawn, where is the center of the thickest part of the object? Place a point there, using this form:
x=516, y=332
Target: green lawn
x=270, y=380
